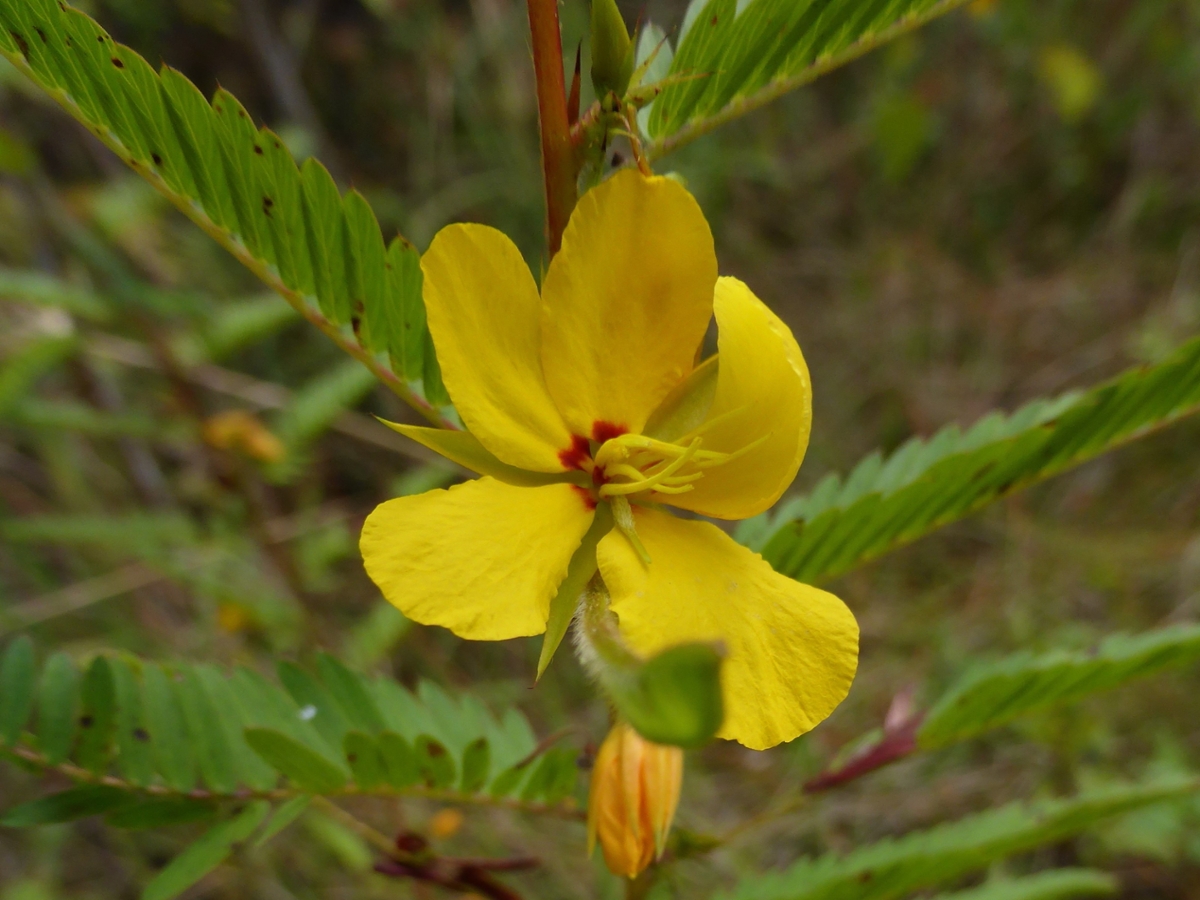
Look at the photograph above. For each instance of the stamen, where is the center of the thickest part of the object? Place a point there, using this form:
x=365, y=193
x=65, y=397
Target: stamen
x=665, y=489
x=652, y=481
x=623, y=519
x=618, y=448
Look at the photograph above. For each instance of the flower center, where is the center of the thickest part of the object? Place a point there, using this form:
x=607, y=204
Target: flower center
x=627, y=467
x=631, y=464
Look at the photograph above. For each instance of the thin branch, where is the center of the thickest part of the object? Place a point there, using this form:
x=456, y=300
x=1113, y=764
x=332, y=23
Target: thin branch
x=545, y=744
x=558, y=156
x=80, y=595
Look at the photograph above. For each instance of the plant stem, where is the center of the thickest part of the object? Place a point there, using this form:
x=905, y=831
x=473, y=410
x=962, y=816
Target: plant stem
x=558, y=156
x=564, y=810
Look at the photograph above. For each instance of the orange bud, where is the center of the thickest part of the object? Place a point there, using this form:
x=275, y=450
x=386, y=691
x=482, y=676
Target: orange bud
x=240, y=431
x=446, y=823
x=635, y=789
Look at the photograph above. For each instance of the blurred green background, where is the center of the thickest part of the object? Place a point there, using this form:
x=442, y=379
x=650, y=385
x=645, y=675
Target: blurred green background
x=1004, y=205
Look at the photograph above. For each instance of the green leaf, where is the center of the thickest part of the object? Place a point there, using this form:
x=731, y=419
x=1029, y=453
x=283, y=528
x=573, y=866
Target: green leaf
x=476, y=761
x=160, y=812
x=554, y=777
x=399, y=760
x=892, y=869
x=507, y=782
x=511, y=739
x=249, y=768
x=454, y=721
x=75, y=803
x=406, y=346
x=58, y=708
x=263, y=703
x=928, y=483
x=435, y=388
x=365, y=759
x=209, y=739
x=350, y=850
x=205, y=854
x=316, y=703
x=309, y=770
x=734, y=57
x=351, y=694
x=562, y=774
x=1060, y=884
x=16, y=688
x=995, y=693
x=434, y=762
x=321, y=251
x=365, y=274
x=98, y=718
x=284, y=816
x=165, y=723
x=241, y=731
x=134, y=754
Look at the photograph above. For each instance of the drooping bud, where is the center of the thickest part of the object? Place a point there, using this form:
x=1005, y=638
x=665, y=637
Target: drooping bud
x=612, y=49
x=635, y=789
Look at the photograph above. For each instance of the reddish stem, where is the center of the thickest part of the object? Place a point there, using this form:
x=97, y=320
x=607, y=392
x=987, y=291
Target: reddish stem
x=558, y=156
x=896, y=743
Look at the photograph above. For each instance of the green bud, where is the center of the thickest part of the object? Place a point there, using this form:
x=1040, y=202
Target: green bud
x=612, y=49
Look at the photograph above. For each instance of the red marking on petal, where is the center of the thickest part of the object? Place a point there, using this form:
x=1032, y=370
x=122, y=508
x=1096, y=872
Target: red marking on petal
x=575, y=455
x=605, y=431
x=588, y=500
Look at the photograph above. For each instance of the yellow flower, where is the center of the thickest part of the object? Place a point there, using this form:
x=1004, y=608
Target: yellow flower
x=635, y=789
x=590, y=393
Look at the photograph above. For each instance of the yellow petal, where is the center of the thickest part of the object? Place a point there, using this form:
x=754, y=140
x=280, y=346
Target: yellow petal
x=626, y=302
x=792, y=649
x=484, y=317
x=482, y=558
x=763, y=395
x=464, y=448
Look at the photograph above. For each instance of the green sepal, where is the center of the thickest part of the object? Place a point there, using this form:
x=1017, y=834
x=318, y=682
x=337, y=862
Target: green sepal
x=675, y=697
x=464, y=448
x=672, y=698
x=580, y=571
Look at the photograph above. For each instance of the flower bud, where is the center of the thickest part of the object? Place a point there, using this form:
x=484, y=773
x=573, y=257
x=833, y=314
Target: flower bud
x=240, y=431
x=635, y=789
x=612, y=49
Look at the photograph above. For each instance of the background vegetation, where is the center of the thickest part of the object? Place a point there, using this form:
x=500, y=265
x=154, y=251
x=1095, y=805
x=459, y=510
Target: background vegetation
x=999, y=207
